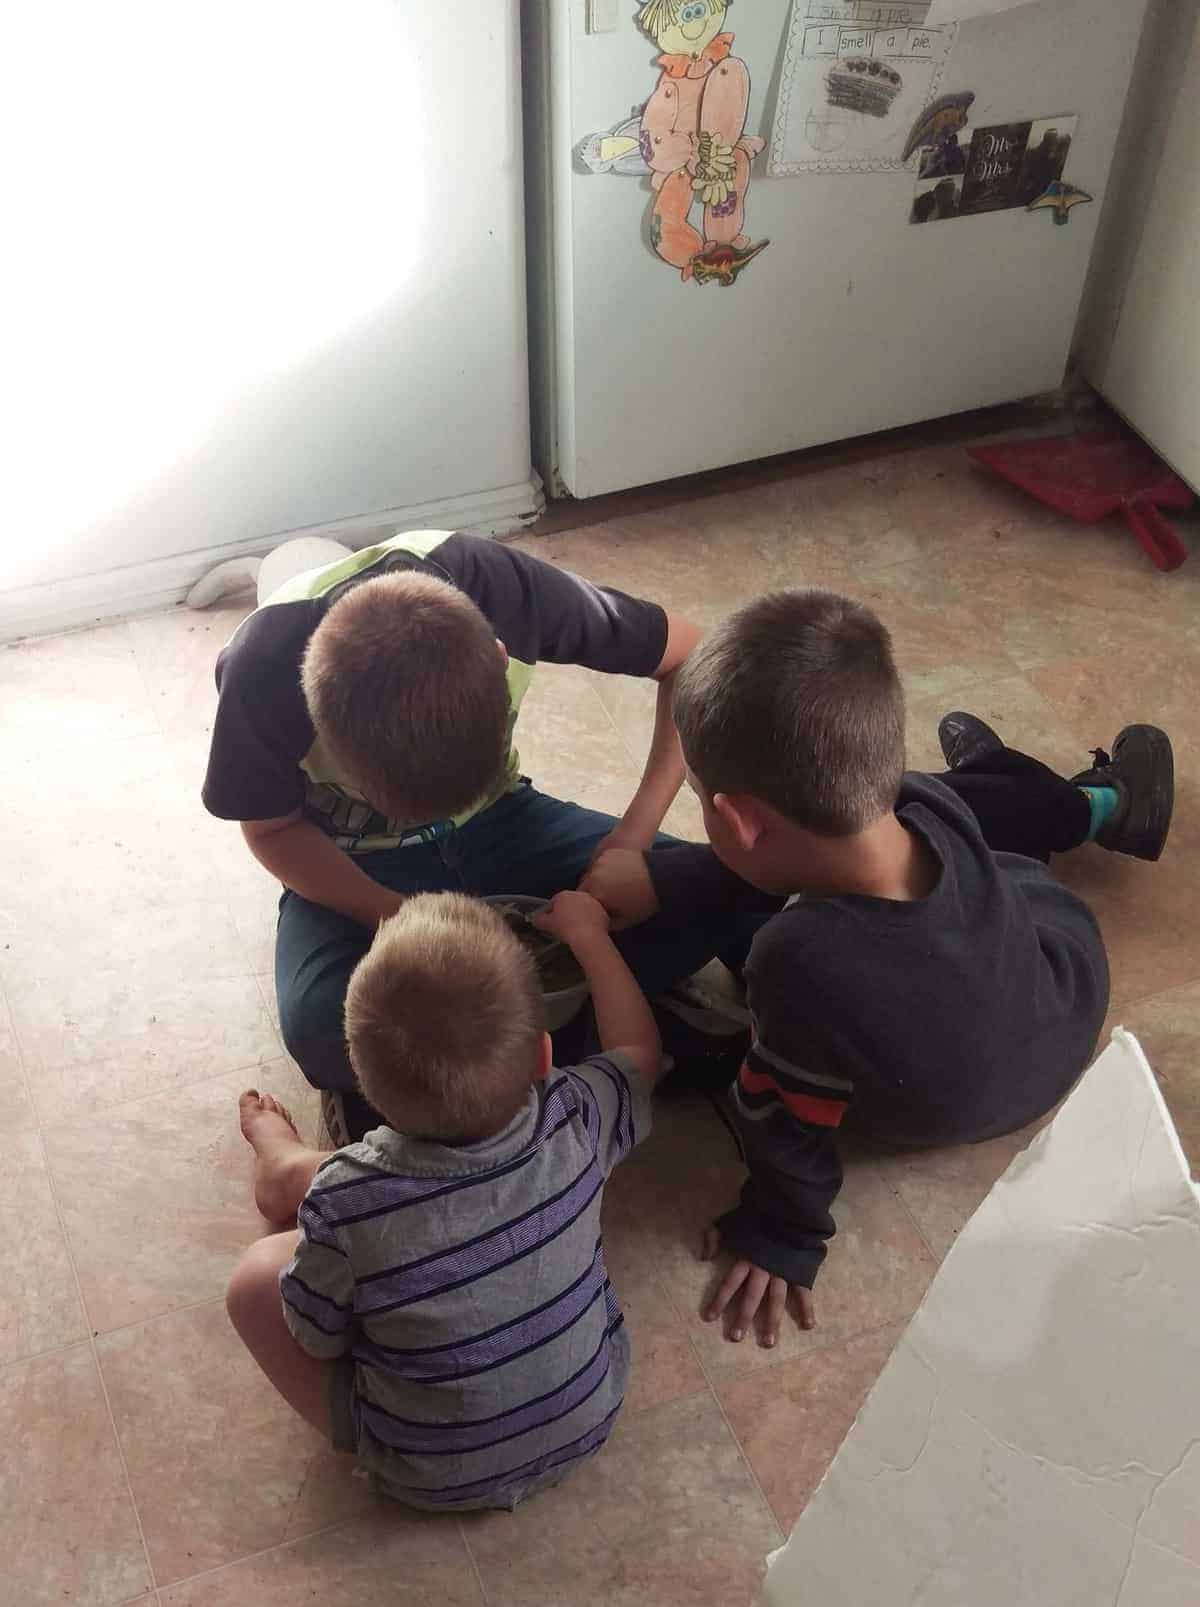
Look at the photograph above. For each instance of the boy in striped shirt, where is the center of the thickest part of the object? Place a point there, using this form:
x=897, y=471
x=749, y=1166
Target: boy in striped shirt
x=442, y=1310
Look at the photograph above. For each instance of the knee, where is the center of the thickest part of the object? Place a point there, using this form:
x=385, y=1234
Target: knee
x=253, y=1288
x=313, y=1034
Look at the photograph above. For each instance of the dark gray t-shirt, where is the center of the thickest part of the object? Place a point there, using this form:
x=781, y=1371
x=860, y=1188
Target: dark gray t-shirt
x=265, y=760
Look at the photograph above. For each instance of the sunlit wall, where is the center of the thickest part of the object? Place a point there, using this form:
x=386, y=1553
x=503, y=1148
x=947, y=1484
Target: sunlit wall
x=263, y=270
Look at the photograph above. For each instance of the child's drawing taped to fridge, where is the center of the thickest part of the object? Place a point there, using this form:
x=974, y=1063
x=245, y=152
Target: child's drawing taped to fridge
x=690, y=139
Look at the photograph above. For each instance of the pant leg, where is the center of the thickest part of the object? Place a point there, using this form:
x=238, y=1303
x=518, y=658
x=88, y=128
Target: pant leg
x=316, y=949
x=672, y=236
x=1022, y=806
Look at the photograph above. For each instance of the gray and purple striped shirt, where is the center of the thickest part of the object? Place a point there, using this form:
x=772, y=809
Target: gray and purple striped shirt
x=467, y=1287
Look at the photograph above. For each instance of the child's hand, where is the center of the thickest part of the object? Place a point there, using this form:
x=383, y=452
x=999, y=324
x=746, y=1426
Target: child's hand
x=620, y=881
x=573, y=917
x=752, y=1283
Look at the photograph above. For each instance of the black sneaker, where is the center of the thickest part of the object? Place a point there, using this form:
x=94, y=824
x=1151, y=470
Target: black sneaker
x=1141, y=771
x=966, y=739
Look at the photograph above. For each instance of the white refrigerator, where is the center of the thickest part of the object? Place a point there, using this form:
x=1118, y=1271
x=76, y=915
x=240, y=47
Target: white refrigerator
x=853, y=318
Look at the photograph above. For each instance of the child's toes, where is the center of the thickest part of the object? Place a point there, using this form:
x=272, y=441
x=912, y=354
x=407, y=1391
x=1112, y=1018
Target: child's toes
x=268, y=1102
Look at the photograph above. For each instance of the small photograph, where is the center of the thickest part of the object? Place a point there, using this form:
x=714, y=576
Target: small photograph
x=946, y=160
x=994, y=166
x=936, y=201
x=1046, y=153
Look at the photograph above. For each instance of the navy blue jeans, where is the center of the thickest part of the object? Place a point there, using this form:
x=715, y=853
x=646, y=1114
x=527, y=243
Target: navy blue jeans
x=525, y=843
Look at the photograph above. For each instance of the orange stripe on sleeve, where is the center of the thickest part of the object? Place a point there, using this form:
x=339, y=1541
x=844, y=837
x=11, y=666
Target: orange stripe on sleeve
x=805, y=1107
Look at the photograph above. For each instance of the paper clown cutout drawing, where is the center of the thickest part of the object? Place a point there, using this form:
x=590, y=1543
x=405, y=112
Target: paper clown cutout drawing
x=689, y=137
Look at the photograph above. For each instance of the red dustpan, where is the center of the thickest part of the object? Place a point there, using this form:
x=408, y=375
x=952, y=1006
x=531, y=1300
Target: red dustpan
x=1089, y=476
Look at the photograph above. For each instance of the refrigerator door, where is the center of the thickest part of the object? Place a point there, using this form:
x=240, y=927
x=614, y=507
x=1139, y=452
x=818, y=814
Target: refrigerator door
x=851, y=319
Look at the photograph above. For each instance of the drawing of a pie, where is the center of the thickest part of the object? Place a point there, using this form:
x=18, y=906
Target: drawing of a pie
x=859, y=85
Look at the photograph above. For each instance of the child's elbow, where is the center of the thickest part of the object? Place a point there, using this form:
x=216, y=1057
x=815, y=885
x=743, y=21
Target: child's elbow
x=646, y=1060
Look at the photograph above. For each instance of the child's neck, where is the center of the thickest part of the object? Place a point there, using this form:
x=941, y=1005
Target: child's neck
x=884, y=861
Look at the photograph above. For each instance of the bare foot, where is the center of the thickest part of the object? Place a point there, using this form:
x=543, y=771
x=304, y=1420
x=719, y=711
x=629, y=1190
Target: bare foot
x=279, y=1155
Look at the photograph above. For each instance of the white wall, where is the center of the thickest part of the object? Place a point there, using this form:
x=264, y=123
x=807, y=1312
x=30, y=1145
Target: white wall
x=269, y=275
x=1139, y=337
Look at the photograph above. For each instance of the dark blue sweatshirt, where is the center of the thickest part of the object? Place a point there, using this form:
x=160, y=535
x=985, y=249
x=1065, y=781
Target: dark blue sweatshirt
x=947, y=1020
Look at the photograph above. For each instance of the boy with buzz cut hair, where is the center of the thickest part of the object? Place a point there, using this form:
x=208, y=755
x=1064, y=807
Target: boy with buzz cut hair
x=364, y=741
x=925, y=978
x=383, y=706
x=443, y=1310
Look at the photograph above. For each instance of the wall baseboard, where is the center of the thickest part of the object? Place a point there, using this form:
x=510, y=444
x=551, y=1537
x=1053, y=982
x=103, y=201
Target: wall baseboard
x=61, y=605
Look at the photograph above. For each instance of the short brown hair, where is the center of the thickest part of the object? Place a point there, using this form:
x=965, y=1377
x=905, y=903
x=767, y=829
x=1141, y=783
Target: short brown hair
x=444, y=1019
x=406, y=688
x=795, y=700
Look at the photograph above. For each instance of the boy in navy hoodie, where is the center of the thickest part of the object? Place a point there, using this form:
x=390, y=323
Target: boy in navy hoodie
x=925, y=978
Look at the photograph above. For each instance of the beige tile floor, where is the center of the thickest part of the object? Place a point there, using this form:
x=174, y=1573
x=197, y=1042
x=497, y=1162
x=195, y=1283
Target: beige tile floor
x=144, y=1461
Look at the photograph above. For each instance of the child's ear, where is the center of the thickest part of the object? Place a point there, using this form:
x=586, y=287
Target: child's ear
x=545, y=1059
x=743, y=816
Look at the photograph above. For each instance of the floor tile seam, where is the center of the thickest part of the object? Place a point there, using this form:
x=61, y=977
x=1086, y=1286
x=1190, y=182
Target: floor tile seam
x=264, y=1551
x=809, y=1353
x=97, y=1116
x=1051, y=667
x=476, y=1570
x=22, y=1064
x=636, y=761
x=40, y=979
x=43, y=1355
x=893, y=1189
x=99, y=1334
x=91, y=1342
x=741, y=1449
x=746, y=1463
x=143, y=671
x=868, y=1333
x=969, y=679
x=630, y=1413
x=1135, y=1001
x=269, y=1005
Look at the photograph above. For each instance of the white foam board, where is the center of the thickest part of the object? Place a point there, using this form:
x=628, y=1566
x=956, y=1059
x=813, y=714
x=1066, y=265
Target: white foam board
x=1034, y=1440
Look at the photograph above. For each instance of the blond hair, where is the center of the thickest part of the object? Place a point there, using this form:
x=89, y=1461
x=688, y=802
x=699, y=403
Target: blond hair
x=657, y=15
x=444, y=1020
x=405, y=685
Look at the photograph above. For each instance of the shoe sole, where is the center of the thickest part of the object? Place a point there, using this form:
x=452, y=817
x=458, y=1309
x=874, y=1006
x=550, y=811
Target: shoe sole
x=333, y=1115
x=1144, y=757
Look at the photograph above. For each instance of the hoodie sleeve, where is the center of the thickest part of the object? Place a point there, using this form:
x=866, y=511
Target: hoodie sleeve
x=788, y=1102
x=690, y=880
x=782, y=1221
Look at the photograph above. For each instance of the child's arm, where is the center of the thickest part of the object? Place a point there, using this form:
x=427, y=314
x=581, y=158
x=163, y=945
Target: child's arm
x=623, y=1018
x=685, y=881
x=302, y=857
x=778, y=1230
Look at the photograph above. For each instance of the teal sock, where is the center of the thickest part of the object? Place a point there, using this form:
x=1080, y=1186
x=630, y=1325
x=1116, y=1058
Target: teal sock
x=1103, y=803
